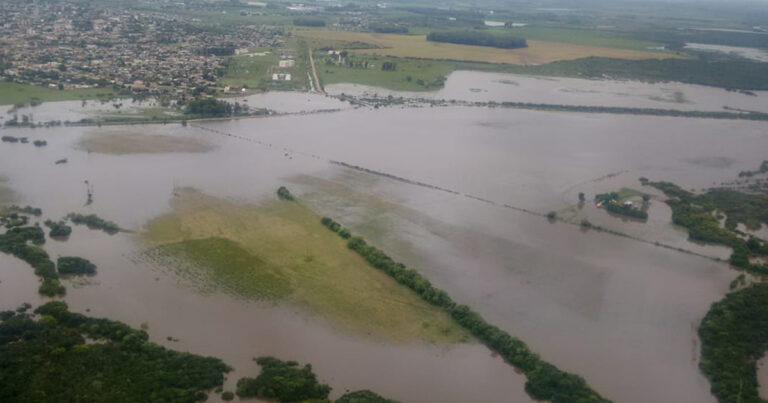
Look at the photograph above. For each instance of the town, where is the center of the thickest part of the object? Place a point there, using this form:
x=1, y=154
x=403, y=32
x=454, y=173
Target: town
x=72, y=46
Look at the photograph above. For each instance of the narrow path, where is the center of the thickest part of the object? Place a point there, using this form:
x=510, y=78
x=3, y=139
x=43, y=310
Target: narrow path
x=318, y=86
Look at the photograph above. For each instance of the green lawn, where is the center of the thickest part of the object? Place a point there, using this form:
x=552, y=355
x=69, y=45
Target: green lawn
x=250, y=71
x=409, y=75
x=13, y=93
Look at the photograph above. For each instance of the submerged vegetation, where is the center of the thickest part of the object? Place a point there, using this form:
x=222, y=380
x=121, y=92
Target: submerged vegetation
x=734, y=335
x=279, y=251
x=24, y=243
x=545, y=381
x=699, y=215
x=284, y=194
x=48, y=359
x=93, y=221
x=227, y=264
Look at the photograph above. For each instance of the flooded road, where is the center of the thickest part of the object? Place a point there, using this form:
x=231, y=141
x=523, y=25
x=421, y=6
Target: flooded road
x=618, y=312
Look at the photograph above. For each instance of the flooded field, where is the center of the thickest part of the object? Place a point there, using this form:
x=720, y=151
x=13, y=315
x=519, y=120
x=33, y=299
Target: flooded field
x=619, y=312
x=478, y=86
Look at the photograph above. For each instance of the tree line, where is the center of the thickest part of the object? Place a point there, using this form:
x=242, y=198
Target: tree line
x=478, y=38
x=544, y=380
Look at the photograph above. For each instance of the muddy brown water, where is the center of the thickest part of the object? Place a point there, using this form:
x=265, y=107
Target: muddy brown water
x=484, y=87
x=619, y=312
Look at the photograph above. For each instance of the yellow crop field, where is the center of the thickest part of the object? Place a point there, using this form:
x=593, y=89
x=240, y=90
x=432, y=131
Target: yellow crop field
x=417, y=46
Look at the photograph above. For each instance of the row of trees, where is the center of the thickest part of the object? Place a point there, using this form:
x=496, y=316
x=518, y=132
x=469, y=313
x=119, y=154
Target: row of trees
x=384, y=28
x=93, y=221
x=545, y=381
x=478, y=38
x=308, y=22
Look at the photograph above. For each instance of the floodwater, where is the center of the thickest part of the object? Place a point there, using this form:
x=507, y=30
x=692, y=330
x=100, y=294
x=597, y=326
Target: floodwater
x=73, y=111
x=484, y=87
x=748, y=53
x=619, y=312
x=132, y=189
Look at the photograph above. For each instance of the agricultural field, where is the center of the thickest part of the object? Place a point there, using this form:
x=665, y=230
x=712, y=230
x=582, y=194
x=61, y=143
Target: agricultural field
x=409, y=74
x=280, y=251
x=537, y=52
x=13, y=93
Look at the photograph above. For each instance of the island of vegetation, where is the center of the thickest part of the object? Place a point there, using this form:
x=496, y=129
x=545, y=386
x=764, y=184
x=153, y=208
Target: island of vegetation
x=75, y=265
x=544, y=380
x=59, y=229
x=24, y=243
x=761, y=170
x=734, y=336
x=286, y=381
x=700, y=215
x=614, y=203
x=284, y=194
x=47, y=358
x=478, y=38
x=93, y=221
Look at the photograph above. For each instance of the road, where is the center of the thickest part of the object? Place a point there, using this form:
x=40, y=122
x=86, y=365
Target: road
x=318, y=86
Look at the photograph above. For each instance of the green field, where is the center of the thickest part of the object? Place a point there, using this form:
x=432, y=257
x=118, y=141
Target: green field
x=280, y=251
x=222, y=263
x=12, y=93
x=409, y=75
x=250, y=71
